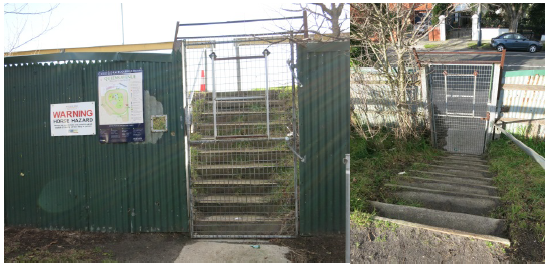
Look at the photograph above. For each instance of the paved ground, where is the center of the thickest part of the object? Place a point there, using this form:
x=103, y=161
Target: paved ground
x=514, y=61
x=232, y=251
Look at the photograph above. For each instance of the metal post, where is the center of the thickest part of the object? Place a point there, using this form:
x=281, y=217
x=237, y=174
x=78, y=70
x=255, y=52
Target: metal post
x=294, y=131
x=238, y=66
x=446, y=108
x=348, y=236
x=306, y=34
x=266, y=53
x=205, y=71
x=214, y=105
x=474, y=99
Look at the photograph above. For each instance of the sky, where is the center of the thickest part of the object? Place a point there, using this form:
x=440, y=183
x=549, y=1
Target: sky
x=100, y=24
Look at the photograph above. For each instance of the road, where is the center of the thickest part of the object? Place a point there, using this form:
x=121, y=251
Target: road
x=514, y=61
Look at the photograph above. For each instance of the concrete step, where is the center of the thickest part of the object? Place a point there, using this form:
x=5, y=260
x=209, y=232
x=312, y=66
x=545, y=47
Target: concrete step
x=208, y=95
x=461, y=161
x=246, y=105
x=235, y=186
x=465, y=157
x=458, y=171
x=447, y=201
x=231, y=156
x=236, y=204
x=460, y=164
x=456, y=221
x=243, y=224
x=443, y=185
x=276, y=128
x=257, y=170
x=243, y=117
x=452, y=178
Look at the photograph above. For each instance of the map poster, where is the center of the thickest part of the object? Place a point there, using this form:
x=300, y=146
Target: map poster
x=121, y=106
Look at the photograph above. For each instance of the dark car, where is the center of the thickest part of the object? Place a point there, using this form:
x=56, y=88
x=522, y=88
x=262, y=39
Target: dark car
x=515, y=41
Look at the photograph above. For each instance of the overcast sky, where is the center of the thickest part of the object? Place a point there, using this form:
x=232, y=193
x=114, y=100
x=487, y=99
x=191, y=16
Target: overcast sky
x=100, y=24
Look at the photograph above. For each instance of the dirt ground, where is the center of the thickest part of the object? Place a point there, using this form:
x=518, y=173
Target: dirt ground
x=382, y=242
x=36, y=245
x=318, y=249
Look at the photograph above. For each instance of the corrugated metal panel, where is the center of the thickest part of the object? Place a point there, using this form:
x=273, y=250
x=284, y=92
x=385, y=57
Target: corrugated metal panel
x=524, y=104
x=76, y=182
x=324, y=101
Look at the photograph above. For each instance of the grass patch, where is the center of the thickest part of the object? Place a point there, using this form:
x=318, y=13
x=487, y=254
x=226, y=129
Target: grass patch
x=375, y=161
x=433, y=46
x=520, y=181
x=484, y=46
x=535, y=143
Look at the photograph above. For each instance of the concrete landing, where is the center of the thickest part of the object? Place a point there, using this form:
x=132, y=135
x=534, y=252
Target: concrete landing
x=231, y=251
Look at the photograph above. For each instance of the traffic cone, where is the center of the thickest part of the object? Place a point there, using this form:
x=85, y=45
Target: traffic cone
x=203, y=85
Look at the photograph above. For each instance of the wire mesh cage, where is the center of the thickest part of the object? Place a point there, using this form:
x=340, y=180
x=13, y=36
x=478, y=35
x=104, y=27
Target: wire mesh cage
x=242, y=170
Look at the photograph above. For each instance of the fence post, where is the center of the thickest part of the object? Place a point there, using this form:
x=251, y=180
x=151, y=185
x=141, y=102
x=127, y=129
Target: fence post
x=475, y=33
x=426, y=102
x=442, y=32
x=348, y=236
x=492, y=104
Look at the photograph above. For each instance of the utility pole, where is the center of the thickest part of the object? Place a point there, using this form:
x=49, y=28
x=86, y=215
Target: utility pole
x=122, y=15
x=479, y=25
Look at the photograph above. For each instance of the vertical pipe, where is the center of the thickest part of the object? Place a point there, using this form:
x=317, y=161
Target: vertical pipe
x=186, y=140
x=267, y=92
x=214, y=105
x=347, y=161
x=294, y=132
x=474, y=97
x=304, y=14
x=238, y=66
x=205, y=71
x=446, y=110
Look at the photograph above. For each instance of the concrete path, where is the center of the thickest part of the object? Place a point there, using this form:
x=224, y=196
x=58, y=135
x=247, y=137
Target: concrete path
x=231, y=251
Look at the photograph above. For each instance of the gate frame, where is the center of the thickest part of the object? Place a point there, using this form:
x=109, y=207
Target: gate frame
x=492, y=104
x=182, y=41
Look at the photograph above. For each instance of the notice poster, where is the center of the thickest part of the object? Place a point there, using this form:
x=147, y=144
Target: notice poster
x=121, y=106
x=73, y=119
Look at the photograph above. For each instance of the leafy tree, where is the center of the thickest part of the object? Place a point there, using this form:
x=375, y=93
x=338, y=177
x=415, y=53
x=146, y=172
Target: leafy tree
x=438, y=10
x=514, y=13
x=535, y=19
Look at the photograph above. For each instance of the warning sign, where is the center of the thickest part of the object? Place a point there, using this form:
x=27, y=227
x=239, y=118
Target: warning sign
x=74, y=119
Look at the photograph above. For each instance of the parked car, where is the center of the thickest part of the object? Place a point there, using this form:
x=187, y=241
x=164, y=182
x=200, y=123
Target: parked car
x=515, y=41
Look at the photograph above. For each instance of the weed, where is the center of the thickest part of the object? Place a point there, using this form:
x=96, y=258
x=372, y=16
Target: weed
x=484, y=46
x=361, y=218
x=489, y=244
x=376, y=161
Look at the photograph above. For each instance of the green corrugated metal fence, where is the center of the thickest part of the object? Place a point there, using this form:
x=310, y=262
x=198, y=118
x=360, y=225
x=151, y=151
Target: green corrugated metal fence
x=74, y=182
x=324, y=100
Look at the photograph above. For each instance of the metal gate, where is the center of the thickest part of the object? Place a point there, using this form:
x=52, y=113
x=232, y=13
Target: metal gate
x=241, y=103
x=460, y=95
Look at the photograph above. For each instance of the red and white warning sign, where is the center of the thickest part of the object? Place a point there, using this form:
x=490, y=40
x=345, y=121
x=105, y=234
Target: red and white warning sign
x=74, y=119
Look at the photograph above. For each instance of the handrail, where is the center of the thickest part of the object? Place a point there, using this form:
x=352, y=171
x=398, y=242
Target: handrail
x=538, y=158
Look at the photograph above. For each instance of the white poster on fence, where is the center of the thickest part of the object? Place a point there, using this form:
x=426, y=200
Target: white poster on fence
x=74, y=119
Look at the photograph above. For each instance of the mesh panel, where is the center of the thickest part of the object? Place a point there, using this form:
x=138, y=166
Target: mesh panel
x=459, y=99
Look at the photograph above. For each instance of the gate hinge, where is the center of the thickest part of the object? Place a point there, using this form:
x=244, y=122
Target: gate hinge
x=487, y=117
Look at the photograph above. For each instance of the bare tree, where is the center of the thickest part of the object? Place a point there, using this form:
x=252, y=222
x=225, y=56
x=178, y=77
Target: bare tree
x=329, y=21
x=17, y=23
x=383, y=36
